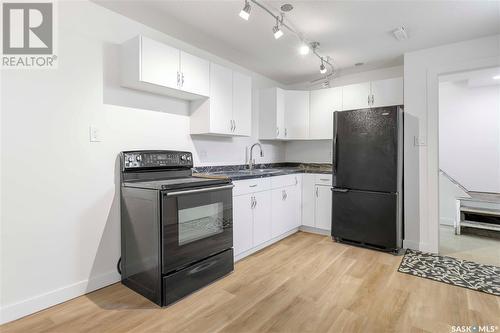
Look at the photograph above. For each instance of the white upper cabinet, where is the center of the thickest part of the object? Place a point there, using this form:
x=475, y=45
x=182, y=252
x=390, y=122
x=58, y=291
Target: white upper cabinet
x=373, y=94
x=387, y=92
x=356, y=96
x=221, y=99
x=272, y=112
x=296, y=114
x=284, y=114
x=152, y=66
x=194, y=74
x=242, y=104
x=159, y=63
x=228, y=111
x=323, y=103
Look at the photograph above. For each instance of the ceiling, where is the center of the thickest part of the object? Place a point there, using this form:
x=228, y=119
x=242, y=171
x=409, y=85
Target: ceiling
x=349, y=31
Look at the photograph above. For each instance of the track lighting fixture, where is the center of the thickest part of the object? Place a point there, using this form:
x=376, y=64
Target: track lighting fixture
x=245, y=12
x=276, y=29
x=306, y=47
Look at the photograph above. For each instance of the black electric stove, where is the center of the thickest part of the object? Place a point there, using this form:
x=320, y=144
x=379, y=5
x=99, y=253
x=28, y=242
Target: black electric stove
x=177, y=232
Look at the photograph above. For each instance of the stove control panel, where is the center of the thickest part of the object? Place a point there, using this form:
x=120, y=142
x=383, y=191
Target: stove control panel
x=157, y=159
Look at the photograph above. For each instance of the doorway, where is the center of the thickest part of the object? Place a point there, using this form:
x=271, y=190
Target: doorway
x=469, y=165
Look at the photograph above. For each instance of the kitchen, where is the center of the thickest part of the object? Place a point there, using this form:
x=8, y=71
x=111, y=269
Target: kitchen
x=74, y=225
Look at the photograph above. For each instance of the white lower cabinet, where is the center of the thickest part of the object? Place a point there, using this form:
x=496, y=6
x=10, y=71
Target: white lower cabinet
x=323, y=207
x=261, y=217
x=242, y=223
x=317, y=201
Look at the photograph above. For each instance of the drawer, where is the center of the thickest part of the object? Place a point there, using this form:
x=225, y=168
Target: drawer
x=251, y=186
x=323, y=179
x=188, y=280
x=284, y=181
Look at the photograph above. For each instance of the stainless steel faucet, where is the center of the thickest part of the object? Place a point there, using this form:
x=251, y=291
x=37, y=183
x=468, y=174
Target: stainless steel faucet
x=252, y=162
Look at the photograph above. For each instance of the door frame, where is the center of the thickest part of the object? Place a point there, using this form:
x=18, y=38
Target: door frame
x=430, y=230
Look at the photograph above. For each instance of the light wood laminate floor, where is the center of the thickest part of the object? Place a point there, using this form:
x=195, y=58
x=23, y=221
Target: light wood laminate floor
x=304, y=283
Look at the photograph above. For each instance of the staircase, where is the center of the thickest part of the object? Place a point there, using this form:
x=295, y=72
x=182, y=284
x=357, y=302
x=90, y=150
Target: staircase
x=475, y=210
x=480, y=211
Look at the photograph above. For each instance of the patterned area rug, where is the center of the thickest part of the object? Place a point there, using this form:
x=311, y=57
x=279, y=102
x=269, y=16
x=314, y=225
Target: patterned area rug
x=462, y=273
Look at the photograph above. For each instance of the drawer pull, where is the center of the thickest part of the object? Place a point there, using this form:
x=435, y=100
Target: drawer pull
x=254, y=185
x=324, y=179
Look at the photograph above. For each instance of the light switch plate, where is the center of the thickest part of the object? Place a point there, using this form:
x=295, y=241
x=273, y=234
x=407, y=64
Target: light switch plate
x=94, y=133
x=419, y=141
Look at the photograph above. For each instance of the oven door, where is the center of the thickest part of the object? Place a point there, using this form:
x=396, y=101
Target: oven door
x=196, y=223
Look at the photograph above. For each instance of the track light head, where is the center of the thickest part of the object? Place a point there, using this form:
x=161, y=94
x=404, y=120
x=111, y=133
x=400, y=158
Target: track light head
x=245, y=12
x=304, y=49
x=276, y=29
x=277, y=32
x=322, y=68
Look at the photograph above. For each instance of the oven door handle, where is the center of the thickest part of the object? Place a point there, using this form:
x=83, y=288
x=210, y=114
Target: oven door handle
x=200, y=190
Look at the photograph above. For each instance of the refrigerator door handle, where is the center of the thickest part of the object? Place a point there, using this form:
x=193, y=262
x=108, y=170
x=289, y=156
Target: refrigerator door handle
x=334, y=152
x=341, y=190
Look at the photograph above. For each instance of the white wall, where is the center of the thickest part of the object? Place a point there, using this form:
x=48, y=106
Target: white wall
x=60, y=204
x=421, y=73
x=321, y=151
x=469, y=134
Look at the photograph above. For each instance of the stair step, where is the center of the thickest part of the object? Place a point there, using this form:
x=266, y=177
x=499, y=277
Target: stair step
x=480, y=225
x=477, y=210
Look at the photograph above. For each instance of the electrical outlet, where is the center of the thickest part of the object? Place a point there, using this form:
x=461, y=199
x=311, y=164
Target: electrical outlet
x=94, y=134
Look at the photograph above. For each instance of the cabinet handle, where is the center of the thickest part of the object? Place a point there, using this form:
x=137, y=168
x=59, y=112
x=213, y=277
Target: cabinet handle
x=251, y=202
x=324, y=179
x=285, y=132
x=254, y=202
x=254, y=185
x=373, y=99
x=317, y=193
x=368, y=99
x=296, y=181
x=277, y=131
x=283, y=195
x=182, y=79
x=178, y=79
x=234, y=122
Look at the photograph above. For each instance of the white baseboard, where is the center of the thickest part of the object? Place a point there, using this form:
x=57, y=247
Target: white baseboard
x=447, y=221
x=409, y=244
x=29, y=306
x=263, y=245
x=314, y=230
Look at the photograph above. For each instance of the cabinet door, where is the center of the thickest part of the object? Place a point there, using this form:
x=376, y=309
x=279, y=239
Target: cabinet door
x=279, y=223
x=293, y=209
x=262, y=218
x=242, y=104
x=296, y=114
x=195, y=74
x=280, y=113
x=221, y=99
x=323, y=207
x=242, y=223
x=387, y=92
x=323, y=103
x=308, y=199
x=356, y=96
x=159, y=63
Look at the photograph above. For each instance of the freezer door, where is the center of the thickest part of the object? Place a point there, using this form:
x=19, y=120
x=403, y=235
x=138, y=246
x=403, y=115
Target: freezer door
x=367, y=218
x=366, y=149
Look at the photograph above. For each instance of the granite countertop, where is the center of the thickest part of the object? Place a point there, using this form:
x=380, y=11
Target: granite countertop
x=240, y=172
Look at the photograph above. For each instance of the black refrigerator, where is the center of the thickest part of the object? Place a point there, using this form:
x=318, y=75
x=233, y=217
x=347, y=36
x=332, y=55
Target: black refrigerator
x=367, y=195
